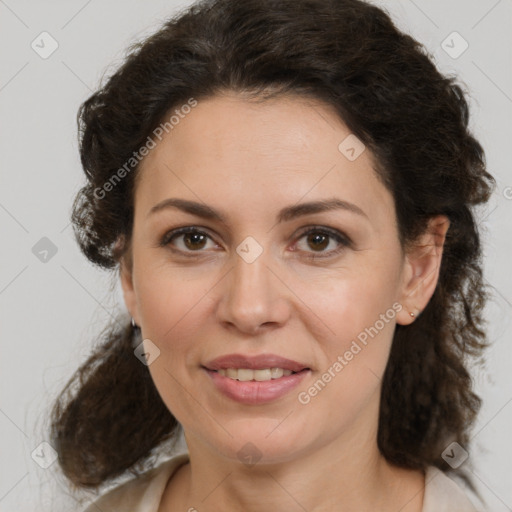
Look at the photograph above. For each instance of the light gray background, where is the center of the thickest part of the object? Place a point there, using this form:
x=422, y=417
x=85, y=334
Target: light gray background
x=50, y=311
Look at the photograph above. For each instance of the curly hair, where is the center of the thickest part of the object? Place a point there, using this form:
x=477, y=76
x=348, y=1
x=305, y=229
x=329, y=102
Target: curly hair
x=385, y=87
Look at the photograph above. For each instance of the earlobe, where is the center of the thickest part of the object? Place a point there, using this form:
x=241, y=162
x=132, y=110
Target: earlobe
x=422, y=267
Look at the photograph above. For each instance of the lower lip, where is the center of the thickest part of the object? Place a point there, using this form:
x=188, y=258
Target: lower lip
x=256, y=392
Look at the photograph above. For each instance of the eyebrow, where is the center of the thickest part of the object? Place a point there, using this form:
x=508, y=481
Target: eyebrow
x=286, y=214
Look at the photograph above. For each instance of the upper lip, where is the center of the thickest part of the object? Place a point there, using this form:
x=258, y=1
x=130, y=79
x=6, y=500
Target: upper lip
x=254, y=362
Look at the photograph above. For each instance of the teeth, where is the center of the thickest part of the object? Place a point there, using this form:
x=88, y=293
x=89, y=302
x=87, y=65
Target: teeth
x=245, y=374
x=230, y=372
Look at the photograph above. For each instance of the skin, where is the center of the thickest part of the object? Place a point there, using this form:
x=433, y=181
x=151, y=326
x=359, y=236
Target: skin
x=248, y=161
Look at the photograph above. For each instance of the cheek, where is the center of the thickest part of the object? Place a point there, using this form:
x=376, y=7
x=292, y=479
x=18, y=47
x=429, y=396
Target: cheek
x=353, y=318
x=355, y=342
x=169, y=298
x=172, y=309
x=348, y=302
x=175, y=307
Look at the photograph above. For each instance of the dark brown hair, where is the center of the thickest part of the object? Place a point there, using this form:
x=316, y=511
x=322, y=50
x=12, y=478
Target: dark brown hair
x=383, y=85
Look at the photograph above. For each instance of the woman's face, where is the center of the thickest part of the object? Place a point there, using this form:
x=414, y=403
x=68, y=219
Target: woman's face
x=255, y=287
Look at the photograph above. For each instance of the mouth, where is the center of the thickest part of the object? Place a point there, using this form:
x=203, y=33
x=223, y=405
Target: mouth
x=257, y=379
x=258, y=375
x=261, y=366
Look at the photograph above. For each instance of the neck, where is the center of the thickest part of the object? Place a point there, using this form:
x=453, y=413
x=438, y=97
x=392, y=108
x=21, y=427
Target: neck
x=324, y=479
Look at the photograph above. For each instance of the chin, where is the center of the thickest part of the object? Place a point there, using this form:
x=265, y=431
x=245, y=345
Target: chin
x=258, y=441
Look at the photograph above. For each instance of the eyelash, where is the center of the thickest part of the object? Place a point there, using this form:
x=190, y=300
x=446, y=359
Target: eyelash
x=343, y=240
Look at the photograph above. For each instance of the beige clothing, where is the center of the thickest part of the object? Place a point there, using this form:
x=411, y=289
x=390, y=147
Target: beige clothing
x=144, y=494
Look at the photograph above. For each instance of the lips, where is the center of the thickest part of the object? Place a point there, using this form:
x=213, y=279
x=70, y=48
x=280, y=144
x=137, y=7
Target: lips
x=258, y=389
x=258, y=362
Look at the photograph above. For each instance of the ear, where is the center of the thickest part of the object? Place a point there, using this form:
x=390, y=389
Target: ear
x=126, y=278
x=421, y=269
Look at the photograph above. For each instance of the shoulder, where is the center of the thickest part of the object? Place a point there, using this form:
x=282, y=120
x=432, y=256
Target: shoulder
x=443, y=494
x=142, y=494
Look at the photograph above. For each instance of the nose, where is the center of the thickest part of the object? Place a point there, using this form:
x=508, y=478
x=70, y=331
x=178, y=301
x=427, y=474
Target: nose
x=254, y=296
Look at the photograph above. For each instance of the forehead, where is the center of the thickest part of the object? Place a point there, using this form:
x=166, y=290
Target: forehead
x=232, y=151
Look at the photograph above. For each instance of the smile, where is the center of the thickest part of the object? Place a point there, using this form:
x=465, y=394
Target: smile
x=246, y=389
x=247, y=374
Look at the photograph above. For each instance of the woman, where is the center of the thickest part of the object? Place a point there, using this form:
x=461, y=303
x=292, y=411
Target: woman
x=286, y=191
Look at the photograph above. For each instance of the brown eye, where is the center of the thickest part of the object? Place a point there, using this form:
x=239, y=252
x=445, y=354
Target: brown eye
x=317, y=240
x=194, y=240
x=186, y=240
